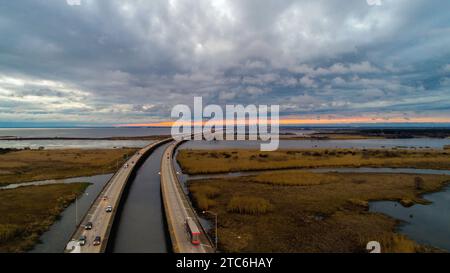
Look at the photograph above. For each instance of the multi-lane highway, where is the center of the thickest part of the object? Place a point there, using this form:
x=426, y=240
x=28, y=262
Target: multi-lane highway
x=140, y=224
x=110, y=196
x=178, y=209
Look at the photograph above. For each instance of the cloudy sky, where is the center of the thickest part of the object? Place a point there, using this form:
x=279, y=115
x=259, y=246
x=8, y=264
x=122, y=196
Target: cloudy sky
x=119, y=62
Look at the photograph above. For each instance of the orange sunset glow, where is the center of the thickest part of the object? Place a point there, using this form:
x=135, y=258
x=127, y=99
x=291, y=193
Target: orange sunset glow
x=308, y=121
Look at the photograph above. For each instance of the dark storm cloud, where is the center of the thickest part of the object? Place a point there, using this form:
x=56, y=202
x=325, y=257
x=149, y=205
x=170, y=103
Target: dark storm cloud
x=131, y=61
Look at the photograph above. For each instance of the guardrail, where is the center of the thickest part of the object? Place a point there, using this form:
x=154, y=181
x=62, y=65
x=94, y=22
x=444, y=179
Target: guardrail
x=189, y=203
x=187, y=206
x=132, y=173
x=79, y=229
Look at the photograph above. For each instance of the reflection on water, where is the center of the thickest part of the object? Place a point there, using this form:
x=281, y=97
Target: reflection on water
x=436, y=143
x=185, y=177
x=50, y=182
x=78, y=133
x=426, y=224
x=140, y=227
x=55, y=239
x=73, y=144
x=82, y=132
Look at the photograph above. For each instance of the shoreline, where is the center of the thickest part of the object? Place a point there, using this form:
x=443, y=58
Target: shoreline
x=26, y=166
x=218, y=193
x=301, y=169
x=13, y=138
x=400, y=224
x=222, y=161
x=19, y=236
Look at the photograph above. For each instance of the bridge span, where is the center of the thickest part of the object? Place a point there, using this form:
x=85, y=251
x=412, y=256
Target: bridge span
x=111, y=195
x=178, y=209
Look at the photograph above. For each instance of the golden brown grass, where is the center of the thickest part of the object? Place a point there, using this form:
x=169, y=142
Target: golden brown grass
x=221, y=161
x=33, y=165
x=203, y=196
x=29, y=211
x=249, y=205
x=397, y=243
x=292, y=178
x=313, y=212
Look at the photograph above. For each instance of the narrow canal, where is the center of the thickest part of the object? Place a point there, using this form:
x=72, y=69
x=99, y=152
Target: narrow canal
x=140, y=226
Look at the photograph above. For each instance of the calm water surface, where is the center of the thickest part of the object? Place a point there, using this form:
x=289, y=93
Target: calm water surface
x=78, y=133
x=73, y=144
x=426, y=224
x=298, y=144
x=82, y=132
x=56, y=238
x=140, y=226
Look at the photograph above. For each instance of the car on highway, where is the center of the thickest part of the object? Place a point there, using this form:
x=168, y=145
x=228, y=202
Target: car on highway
x=97, y=241
x=109, y=209
x=82, y=240
x=193, y=231
x=105, y=198
x=88, y=226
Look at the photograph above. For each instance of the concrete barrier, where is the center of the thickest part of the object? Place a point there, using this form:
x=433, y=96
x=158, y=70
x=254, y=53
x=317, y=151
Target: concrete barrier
x=117, y=184
x=178, y=208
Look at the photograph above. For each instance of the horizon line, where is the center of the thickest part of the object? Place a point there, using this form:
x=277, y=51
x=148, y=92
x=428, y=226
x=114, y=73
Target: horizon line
x=300, y=122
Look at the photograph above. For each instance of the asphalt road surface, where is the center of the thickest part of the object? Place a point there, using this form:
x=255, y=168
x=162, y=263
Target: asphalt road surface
x=110, y=196
x=178, y=209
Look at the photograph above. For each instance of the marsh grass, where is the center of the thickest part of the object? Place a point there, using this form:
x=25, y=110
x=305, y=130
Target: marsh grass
x=29, y=211
x=397, y=243
x=32, y=165
x=232, y=160
x=249, y=205
x=292, y=178
x=296, y=211
x=203, y=196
